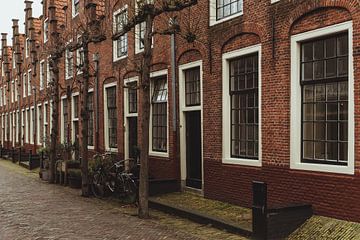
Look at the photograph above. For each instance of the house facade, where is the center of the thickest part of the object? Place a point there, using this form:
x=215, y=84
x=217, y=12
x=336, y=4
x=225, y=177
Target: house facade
x=268, y=91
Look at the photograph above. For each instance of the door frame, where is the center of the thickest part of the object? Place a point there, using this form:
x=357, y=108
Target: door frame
x=127, y=115
x=182, y=114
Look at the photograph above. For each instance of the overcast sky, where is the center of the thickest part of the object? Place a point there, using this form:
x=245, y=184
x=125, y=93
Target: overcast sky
x=14, y=9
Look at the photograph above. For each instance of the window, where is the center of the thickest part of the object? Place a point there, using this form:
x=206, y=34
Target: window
x=222, y=10
x=65, y=119
x=132, y=97
x=322, y=100
x=14, y=60
x=27, y=125
x=46, y=30
x=69, y=61
x=17, y=126
x=42, y=74
x=241, y=107
x=244, y=74
x=12, y=91
x=120, y=45
x=192, y=87
x=91, y=119
x=16, y=89
x=79, y=58
x=23, y=126
x=159, y=115
x=48, y=73
x=27, y=47
x=75, y=7
x=139, y=37
x=324, y=80
x=32, y=125
x=45, y=121
x=38, y=124
x=24, y=85
x=111, y=117
x=29, y=83
x=76, y=106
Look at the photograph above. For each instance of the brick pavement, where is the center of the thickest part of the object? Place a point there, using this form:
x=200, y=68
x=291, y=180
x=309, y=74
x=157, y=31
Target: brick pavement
x=32, y=209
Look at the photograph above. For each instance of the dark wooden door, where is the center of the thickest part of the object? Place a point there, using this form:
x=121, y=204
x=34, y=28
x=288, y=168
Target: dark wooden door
x=133, y=138
x=193, y=150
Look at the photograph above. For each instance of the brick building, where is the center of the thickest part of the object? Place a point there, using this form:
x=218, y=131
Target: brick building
x=268, y=91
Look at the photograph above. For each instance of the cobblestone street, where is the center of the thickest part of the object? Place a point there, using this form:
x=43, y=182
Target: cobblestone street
x=32, y=209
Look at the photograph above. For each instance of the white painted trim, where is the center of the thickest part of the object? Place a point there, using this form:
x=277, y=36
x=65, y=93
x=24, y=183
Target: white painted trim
x=29, y=79
x=41, y=77
x=115, y=42
x=212, y=14
x=38, y=123
x=32, y=110
x=106, y=129
x=274, y=1
x=127, y=115
x=62, y=124
x=295, y=119
x=151, y=152
x=226, y=111
x=73, y=119
x=183, y=109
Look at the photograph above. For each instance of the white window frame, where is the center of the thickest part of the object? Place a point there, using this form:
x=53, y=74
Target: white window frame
x=27, y=47
x=42, y=74
x=67, y=74
x=32, y=110
x=46, y=33
x=212, y=14
x=91, y=90
x=38, y=123
x=10, y=126
x=29, y=79
x=62, y=122
x=16, y=90
x=106, y=128
x=6, y=124
x=17, y=126
x=226, y=107
x=115, y=42
x=24, y=85
x=73, y=119
x=151, y=152
x=27, y=127
x=45, y=121
x=73, y=9
x=48, y=74
x=12, y=91
x=23, y=130
x=127, y=114
x=295, y=120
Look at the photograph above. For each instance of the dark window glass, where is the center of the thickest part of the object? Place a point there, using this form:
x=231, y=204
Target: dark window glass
x=91, y=119
x=159, y=115
x=226, y=8
x=122, y=45
x=324, y=83
x=112, y=116
x=65, y=120
x=132, y=97
x=76, y=106
x=192, y=87
x=244, y=75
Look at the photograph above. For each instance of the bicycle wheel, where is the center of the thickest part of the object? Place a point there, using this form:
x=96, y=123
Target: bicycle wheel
x=99, y=185
x=130, y=190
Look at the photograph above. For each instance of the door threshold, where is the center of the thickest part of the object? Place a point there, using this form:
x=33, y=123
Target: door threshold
x=193, y=190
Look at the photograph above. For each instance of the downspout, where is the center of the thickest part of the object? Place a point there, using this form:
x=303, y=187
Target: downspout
x=96, y=90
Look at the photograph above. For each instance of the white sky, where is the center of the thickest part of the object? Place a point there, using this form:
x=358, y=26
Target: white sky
x=14, y=9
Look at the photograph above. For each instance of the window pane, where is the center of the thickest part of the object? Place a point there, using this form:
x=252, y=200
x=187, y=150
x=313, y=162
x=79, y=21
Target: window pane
x=308, y=111
x=332, y=131
x=331, y=91
x=342, y=45
x=330, y=68
x=332, y=150
x=308, y=93
x=343, y=151
x=318, y=70
x=308, y=150
x=330, y=46
x=307, y=73
x=319, y=150
x=343, y=66
x=318, y=50
x=307, y=52
x=319, y=131
x=308, y=131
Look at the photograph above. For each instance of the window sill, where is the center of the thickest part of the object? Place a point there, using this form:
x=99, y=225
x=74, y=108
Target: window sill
x=214, y=22
x=116, y=59
x=323, y=168
x=111, y=150
x=242, y=161
x=159, y=154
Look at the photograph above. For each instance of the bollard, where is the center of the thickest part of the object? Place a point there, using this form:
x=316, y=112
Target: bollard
x=259, y=210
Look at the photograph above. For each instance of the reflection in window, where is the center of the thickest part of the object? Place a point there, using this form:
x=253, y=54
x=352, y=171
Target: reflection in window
x=159, y=115
x=324, y=79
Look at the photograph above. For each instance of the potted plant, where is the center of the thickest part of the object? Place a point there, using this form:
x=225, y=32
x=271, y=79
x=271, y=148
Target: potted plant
x=74, y=178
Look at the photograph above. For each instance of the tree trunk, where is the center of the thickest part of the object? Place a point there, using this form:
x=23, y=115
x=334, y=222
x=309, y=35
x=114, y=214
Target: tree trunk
x=84, y=117
x=55, y=118
x=145, y=116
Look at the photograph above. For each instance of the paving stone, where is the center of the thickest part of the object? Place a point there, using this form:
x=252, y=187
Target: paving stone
x=33, y=209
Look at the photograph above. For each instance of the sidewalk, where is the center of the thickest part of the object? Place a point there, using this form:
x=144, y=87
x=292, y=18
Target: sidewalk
x=29, y=208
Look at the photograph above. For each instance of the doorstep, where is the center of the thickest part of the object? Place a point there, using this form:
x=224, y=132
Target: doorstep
x=193, y=206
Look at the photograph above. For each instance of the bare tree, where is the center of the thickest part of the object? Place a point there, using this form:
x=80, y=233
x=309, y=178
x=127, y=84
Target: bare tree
x=148, y=11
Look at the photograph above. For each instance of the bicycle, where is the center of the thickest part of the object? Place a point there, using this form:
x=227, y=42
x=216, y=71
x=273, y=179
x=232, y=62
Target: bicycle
x=114, y=181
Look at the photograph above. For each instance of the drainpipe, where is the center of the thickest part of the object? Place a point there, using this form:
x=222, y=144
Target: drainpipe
x=96, y=91
x=173, y=78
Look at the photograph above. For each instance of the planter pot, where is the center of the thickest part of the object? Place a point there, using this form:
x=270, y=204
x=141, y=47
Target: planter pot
x=44, y=174
x=74, y=182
